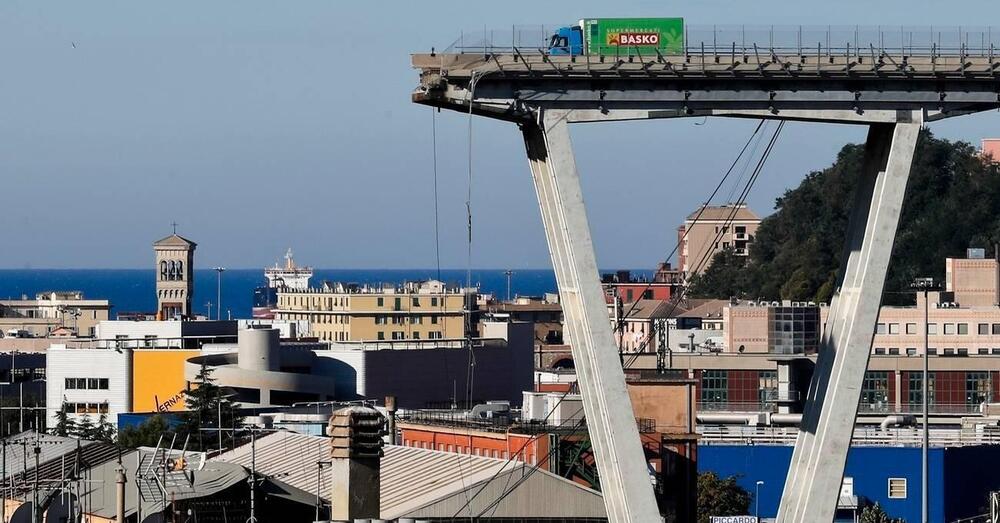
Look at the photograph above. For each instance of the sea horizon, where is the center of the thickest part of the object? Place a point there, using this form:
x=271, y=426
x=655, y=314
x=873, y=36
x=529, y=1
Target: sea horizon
x=133, y=290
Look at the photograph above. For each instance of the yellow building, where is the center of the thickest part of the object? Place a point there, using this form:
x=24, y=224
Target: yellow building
x=347, y=312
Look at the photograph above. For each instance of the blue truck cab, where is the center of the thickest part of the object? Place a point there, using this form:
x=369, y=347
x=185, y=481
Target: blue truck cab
x=567, y=41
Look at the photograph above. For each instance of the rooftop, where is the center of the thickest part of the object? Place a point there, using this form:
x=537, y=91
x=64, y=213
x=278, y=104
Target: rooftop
x=723, y=213
x=413, y=480
x=174, y=240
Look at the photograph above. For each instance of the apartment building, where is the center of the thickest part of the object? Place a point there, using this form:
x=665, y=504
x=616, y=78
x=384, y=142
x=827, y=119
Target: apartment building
x=712, y=229
x=48, y=311
x=349, y=312
x=627, y=287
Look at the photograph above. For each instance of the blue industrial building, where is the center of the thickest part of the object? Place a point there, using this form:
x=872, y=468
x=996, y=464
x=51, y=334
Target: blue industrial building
x=959, y=483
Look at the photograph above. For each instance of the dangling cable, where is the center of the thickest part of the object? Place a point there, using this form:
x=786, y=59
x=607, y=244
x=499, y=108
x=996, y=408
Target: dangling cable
x=437, y=228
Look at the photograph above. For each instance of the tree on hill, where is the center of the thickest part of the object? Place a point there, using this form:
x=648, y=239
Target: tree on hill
x=951, y=204
x=720, y=497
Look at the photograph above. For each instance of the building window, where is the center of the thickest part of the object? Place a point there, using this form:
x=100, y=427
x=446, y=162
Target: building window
x=984, y=329
x=963, y=328
x=963, y=352
x=932, y=328
x=893, y=328
x=875, y=392
x=911, y=351
x=996, y=329
x=380, y=302
x=983, y=352
x=931, y=351
x=434, y=302
x=416, y=302
x=879, y=351
x=767, y=386
x=995, y=352
x=880, y=328
x=381, y=335
x=915, y=386
x=949, y=328
x=897, y=488
x=911, y=328
x=977, y=388
x=714, y=386
x=894, y=351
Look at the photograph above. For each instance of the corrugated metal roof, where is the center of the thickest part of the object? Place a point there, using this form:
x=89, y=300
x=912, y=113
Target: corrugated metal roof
x=411, y=478
x=19, y=454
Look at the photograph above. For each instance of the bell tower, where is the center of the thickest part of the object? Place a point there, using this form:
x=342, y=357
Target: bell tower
x=174, y=276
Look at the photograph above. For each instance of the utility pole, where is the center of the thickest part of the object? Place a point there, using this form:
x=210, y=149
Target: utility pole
x=219, y=404
x=3, y=497
x=35, y=513
x=253, y=475
x=218, y=296
x=925, y=285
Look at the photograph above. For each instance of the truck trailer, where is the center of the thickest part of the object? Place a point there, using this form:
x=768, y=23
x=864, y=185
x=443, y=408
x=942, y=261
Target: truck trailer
x=620, y=36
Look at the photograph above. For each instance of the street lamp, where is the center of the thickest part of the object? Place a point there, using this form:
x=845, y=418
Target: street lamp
x=924, y=285
x=756, y=500
x=218, y=297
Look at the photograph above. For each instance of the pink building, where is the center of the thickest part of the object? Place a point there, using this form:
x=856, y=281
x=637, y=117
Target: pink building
x=712, y=229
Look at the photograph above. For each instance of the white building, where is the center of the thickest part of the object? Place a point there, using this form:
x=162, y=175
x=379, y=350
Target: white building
x=88, y=381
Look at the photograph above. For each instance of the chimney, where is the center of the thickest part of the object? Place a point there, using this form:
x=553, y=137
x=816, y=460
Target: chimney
x=120, y=494
x=390, y=408
x=355, y=452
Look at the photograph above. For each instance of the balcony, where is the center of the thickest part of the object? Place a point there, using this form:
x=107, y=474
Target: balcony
x=741, y=236
x=741, y=252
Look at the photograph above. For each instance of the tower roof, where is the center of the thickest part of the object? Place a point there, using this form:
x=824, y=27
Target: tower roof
x=175, y=240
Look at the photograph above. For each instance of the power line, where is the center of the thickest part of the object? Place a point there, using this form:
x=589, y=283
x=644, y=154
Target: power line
x=621, y=321
x=726, y=223
x=437, y=228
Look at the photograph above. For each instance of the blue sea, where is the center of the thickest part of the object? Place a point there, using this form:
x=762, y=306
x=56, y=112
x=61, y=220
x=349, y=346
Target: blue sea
x=133, y=290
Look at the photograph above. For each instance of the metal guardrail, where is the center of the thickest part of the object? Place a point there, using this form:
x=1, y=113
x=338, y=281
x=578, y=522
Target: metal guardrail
x=505, y=422
x=736, y=406
x=770, y=405
x=863, y=436
x=803, y=40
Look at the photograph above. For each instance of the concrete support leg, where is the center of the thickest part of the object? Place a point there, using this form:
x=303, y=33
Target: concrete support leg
x=628, y=494
x=812, y=486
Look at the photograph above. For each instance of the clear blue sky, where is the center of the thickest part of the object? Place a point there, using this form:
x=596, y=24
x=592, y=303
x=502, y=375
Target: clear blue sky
x=259, y=126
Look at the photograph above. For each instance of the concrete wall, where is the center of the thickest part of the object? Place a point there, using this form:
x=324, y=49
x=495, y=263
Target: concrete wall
x=974, y=282
x=671, y=403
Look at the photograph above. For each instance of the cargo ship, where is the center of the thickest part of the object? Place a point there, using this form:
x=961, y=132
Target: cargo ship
x=290, y=276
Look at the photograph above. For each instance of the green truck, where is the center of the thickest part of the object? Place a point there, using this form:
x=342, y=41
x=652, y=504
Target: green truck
x=620, y=36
